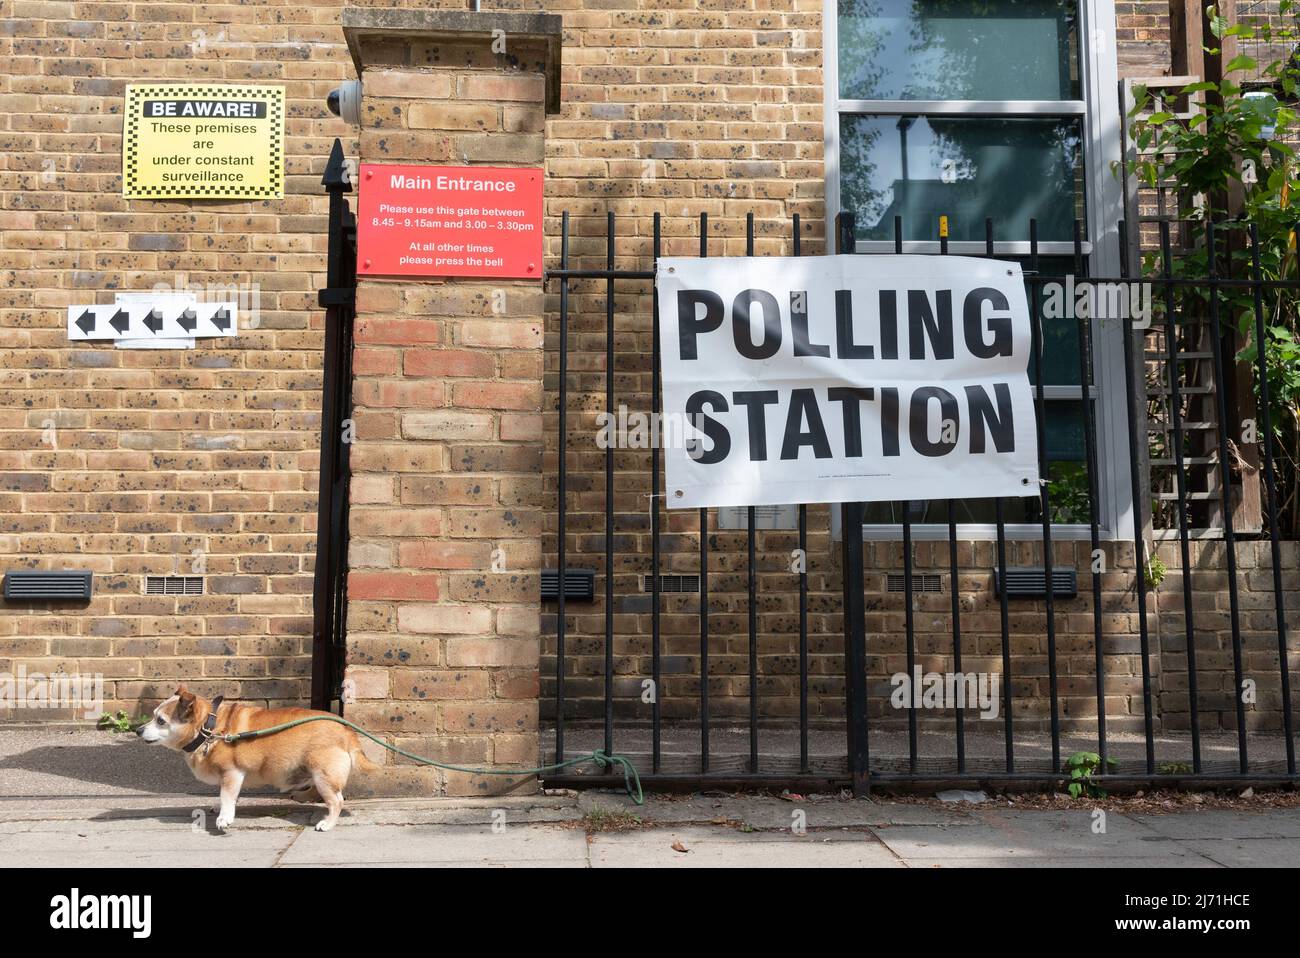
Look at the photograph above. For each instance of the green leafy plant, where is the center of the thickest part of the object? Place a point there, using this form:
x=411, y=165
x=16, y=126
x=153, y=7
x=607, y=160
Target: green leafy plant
x=1067, y=491
x=1081, y=767
x=1174, y=768
x=1156, y=571
x=119, y=722
x=1235, y=163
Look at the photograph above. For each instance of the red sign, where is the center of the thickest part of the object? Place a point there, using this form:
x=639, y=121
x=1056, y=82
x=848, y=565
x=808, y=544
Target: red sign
x=449, y=221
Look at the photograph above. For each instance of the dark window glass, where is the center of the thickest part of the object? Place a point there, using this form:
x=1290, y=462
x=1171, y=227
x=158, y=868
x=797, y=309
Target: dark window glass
x=958, y=50
x=965, y=168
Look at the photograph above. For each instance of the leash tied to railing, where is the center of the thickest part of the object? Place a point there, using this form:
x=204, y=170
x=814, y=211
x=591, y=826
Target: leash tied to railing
x=600, y=758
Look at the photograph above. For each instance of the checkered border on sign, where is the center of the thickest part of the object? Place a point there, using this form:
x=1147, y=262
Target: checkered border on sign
x=131, y=142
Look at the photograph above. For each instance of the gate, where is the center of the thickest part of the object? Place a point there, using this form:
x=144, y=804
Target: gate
x=691, y=643
x=329, y=589
x=684, y=641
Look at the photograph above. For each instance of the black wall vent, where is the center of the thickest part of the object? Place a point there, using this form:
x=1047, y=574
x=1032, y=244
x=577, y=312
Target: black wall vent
x=671, y=583
x=1031, y=583
x=173, y=585
x=35, y=585
x=579, y=585
x=921, y=582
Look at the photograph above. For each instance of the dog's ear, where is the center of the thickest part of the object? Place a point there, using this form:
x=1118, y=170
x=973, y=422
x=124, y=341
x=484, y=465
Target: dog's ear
x=185, y=703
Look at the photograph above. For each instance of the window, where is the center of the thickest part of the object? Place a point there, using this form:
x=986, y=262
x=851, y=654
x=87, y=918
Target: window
x=1001, y=109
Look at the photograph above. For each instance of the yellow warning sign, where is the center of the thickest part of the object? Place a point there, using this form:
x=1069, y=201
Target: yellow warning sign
x=201, y=140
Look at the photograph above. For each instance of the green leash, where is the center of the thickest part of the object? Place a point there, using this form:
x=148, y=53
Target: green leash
x=631, y=780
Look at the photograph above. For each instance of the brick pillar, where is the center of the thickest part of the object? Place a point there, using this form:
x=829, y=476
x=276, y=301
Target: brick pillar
x=446, y=511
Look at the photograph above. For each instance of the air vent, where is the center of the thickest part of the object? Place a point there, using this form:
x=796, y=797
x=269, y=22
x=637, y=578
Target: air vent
x=579, y=585
x=927, y=582
x=672, y=583
x=1031, y=583
x=173, y=585
x=32, y=584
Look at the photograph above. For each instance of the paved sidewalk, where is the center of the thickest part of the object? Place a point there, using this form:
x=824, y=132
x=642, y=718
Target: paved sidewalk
x=78, y=799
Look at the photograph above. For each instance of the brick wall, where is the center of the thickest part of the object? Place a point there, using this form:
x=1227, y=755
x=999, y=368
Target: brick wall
x=1142, y=38
x=156, y=456
x=447, y=506
x=160, y=457
x=719, y=111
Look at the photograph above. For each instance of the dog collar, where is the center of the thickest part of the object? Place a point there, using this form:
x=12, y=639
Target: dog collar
x=209, y=726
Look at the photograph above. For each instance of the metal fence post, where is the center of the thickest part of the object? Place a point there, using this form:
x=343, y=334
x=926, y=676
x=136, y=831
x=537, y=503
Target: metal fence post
x=331, y=521
x=855, y=611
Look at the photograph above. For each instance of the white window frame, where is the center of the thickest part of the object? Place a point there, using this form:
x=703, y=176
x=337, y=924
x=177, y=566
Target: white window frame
x=1099, y=111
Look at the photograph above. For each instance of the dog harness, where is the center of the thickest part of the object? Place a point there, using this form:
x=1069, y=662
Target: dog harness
x=209, y=726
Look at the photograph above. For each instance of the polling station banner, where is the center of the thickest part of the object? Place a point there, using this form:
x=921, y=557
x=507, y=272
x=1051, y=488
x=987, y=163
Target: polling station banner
x=844, y=379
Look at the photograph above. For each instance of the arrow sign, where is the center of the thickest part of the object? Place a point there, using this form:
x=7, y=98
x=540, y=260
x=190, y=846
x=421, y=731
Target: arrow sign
x=163, y=316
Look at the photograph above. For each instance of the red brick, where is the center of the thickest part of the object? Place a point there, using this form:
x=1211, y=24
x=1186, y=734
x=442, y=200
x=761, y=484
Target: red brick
x=392, y=585
x=398, y=332
x=447, y=362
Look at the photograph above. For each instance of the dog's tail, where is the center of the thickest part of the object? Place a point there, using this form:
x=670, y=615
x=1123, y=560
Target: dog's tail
x=362, y=762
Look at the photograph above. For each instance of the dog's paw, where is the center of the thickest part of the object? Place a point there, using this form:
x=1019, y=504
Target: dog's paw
x=324, y=825
x=224, y=821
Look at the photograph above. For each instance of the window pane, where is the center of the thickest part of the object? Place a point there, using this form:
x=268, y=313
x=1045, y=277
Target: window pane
x=965, y=168
x=1060, y=344
x=1063, y=428
x=958, y=50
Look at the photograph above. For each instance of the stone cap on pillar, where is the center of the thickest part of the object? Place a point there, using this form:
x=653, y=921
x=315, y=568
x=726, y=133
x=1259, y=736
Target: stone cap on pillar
x=364, y=25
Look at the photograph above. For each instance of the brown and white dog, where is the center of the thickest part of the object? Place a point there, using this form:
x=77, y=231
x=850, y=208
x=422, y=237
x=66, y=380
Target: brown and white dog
x=309, y=762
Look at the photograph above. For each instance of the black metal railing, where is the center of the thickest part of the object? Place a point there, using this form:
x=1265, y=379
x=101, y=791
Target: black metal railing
x=692, y=740
x=329, y=588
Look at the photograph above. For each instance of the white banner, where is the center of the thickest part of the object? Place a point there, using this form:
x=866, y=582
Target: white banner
x=844, y=379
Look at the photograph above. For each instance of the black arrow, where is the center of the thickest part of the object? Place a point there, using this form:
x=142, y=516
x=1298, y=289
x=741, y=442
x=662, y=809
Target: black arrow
x=86, y=322
x=121, y=321
x=188, y=320
x=221, y=319
x=154, y=321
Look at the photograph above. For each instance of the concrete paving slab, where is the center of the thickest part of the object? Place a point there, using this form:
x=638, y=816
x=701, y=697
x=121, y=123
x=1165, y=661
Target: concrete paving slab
x=235, y=858
x=1047, y=835
x=176, y=838
x=90, y=799
x=1246, y=852
x=1003, y=862
x=88, y=763
x=54, y=807
x=428, y=844
x=534, y=863
x=713, y=848
x=156, y=847
x=512, y=809
x=767, y=811
x=131, y=825
x=1225, y=823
